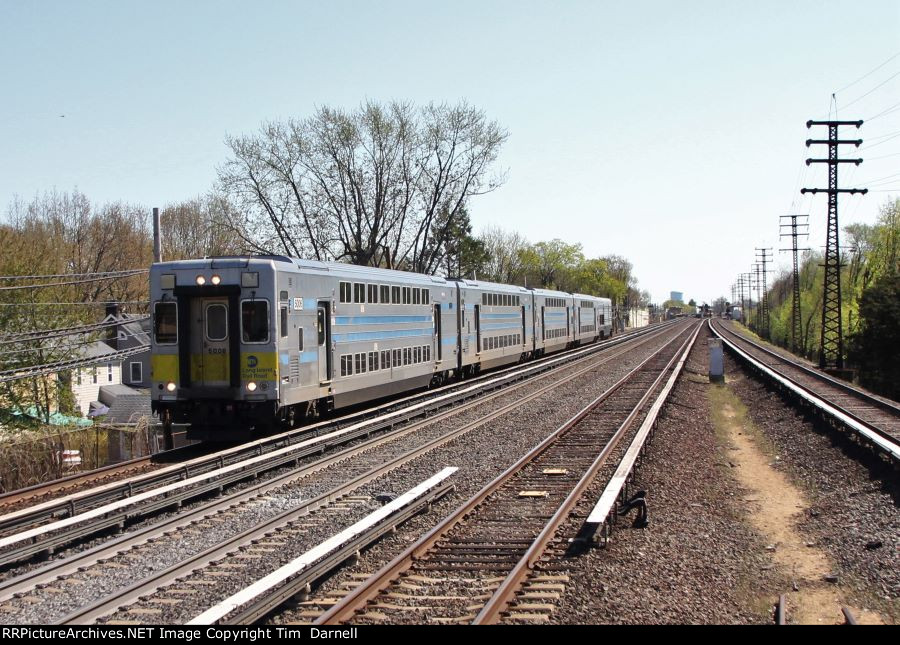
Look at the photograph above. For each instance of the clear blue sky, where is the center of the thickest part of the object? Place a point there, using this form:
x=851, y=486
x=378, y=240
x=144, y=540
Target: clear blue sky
x=668, y=132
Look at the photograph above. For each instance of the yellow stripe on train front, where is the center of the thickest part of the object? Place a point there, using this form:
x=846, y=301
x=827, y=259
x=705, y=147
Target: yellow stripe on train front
x=164, y=367
x=259, y=366
x=208, y=368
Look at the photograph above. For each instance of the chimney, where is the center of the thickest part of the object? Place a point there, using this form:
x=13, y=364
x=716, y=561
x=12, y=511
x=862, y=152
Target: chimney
x=112, y=332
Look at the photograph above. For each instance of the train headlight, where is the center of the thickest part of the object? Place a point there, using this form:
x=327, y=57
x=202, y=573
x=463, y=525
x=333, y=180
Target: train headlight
x=170, y=386
x=251, y=386
x=201, y=280
x=215, y=279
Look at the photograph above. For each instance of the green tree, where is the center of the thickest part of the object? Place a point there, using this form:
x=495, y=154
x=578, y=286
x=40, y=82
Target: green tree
x=874, y=347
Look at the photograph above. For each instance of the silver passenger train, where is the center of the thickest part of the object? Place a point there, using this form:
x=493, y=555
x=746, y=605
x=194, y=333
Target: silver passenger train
x=244, y=344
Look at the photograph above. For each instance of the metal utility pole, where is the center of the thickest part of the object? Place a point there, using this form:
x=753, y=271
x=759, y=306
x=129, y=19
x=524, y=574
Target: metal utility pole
x=157, y=237
x=764, y=255
x=799, y=227
x=745, y=310
x=831, y=351
x=755, y=282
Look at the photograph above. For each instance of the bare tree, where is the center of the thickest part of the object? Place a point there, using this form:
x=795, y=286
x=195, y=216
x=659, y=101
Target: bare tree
x=382, y=185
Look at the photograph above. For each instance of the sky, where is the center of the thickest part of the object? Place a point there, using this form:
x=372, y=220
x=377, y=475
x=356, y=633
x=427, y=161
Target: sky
x=671, y=133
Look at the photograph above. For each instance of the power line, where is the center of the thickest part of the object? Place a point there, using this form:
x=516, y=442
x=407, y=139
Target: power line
x=65, y=331
x=63, y=346
x=70, y=275
x=880, y=142
x=18, y=374
x=890, y=78
x=893, y=108
x=73, y=304
x=867, y=74
x=72, y=282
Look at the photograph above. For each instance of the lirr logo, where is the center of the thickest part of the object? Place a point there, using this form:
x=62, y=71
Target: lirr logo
x=252, y=361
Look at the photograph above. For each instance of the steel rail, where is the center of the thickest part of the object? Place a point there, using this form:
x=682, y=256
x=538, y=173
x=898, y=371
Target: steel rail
x=159, y=579
x=76, y=561
x=878, y=437
x=284, y=448
x=888, y=406
x=373, y=586
x=498, y=602
x=264, y=604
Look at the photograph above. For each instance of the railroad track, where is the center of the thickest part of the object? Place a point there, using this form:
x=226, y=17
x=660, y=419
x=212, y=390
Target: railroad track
x=340, y=476
x=479, y=564
x=870, y=419
x=43, y=529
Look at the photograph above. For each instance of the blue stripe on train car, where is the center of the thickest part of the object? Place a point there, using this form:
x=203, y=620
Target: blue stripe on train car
x=382, y=335
x=380, y=320
x=309, y=357
x=497, y=326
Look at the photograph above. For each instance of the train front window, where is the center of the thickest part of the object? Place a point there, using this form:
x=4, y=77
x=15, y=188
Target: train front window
x=165, y=323
x=216, y=322
x=255, y=321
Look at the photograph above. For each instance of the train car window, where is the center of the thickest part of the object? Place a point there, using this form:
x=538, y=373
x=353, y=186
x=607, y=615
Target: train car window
x=602, y=316
x=385, y=359
x=346, y=292
x=385, y=294
x=406, y=356
x=373, y=361
x=359, y=292
x=283, y=295
x=165, y=323
x=255, y=321
x=417, y=297
x=395, y=295
x=373, y=293
x=360, y=363
x=346, y=365
x=397, y=362
x=484, y=299
x=426, y=297
x=216, y=322
x=427, y=353
x=407, y=293
x=283, y=319
x=300, y=342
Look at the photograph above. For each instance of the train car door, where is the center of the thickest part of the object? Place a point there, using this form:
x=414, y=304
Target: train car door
x=437, y=333
x=477, y=329
x=524, y=328
x=210, y=357
x=323, y=329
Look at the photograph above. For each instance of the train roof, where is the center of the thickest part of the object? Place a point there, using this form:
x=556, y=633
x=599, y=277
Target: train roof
x=551, y=293
x=340, y=269
x=493, y=286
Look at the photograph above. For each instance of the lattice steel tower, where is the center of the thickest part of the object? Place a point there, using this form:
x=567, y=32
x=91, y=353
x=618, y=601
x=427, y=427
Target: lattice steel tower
x=795, y=225
x=831, y=350
x=764, y=256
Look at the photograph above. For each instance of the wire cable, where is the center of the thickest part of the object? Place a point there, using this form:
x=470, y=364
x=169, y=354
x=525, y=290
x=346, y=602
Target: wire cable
x=71, y=282
x=70, y=275
x=65, y=331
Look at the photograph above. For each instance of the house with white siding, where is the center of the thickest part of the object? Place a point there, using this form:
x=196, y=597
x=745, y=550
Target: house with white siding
x=87, y=381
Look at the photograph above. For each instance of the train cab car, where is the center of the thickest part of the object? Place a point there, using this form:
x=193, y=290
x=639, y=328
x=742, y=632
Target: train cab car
x=244, y=344
x=214, y=352
x=553, y=320
x=496, y=326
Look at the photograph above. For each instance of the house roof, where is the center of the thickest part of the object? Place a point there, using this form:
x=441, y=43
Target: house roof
x=126, y=404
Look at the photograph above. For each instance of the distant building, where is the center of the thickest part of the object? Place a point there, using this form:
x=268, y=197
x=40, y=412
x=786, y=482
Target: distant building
x=676, y=295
